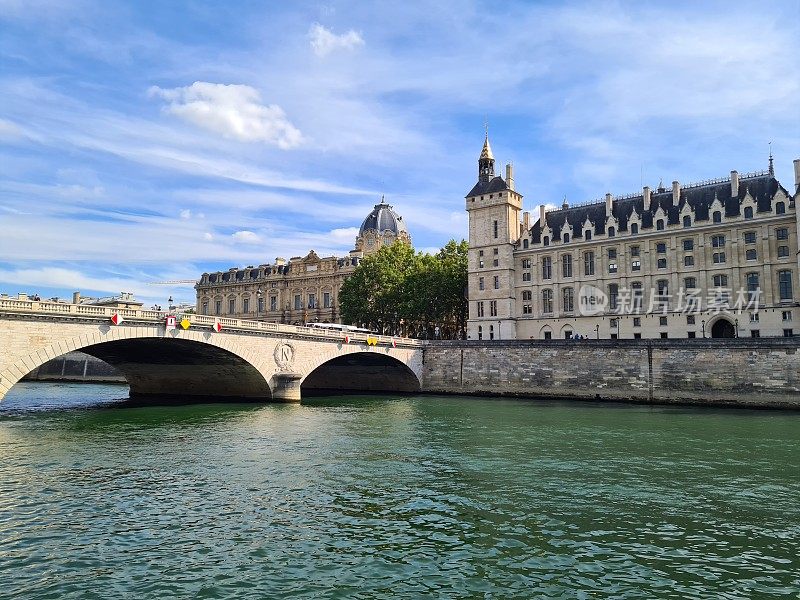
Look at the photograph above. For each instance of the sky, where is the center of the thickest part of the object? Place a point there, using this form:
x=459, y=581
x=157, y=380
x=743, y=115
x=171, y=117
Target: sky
x=153, y=141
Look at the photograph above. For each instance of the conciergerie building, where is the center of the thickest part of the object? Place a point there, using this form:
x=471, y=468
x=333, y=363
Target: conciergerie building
x=302, y=289
x=716, y=258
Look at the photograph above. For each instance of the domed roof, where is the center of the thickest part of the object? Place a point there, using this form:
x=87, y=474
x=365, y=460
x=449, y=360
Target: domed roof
x=382, y=218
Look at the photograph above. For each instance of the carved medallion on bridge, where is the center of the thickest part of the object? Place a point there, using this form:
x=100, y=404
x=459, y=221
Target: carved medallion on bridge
x=284, y=355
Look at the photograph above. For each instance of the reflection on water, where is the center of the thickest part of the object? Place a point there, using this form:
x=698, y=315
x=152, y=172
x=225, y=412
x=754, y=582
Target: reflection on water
x=393, y=497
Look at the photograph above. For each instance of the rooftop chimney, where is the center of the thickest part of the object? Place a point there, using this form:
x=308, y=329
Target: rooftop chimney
x=646, y=197
x=609, y=204
x=76, y=297
x=510, y=176
x=526, y=221
x=735, y=184
x=676, y=193
x=797, y=174
x=542, y=221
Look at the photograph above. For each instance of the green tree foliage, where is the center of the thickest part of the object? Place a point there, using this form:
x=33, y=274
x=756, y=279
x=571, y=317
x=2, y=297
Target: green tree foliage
x=396, y=290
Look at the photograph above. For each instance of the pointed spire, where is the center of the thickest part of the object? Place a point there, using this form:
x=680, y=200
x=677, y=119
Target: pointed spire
x=487, y=149
x=771, y=167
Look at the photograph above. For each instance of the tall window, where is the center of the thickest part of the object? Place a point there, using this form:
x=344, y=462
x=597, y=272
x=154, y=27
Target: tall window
x=752, y=285
x=246, y=305
x=634, y=228
x=480, y=308
x=587, y=235
x=326, y=299
x=218, y=307
x=547, y=267
x=496, y=282
x=569, y=299
x=546, y=241
x=480, y=332
x=566, y=265
x=636, y=296
x=260, y=304
x=566, y=238
x=273, y=303
x=495, y=229
x=613, y=294
x=231, y=306
x=205, y=308
x=660, y=224
x=748, y=212
x=785, y=285
x=588, y=263
x=687, y=221
x=547, y=301
x=716, y=217
x=663, y=287
x=612, y=232
x=481, y=284
x=298, y=302
x=493, y=308
x=312, y=301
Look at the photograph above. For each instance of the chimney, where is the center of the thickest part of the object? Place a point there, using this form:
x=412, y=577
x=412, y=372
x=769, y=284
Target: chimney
x=542, y=221
x=76, y=297
x=735, y=184
x=676, y=193
x=609, y=204
x=510, y=176
x=646, y=197
x=526, y=221
x=797, y=174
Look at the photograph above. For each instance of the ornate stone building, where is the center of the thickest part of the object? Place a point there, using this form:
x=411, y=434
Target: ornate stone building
x=710, y=259
x=302, y=289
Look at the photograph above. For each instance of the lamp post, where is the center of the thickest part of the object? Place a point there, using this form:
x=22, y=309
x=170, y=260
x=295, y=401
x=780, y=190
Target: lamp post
x=736, y=328
x=703, y=325
x=259, y=300
x=597, y=330
x=170, y=306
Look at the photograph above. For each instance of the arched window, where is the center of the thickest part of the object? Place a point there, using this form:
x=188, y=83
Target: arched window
x=660, y=224
x=547, y=301
x=748, y=212
x=611, y=232
x=716, y=217
x=780, y=208
x=687, y=221
x=491, y=332
x=480, y=332
x=566, y=238
x=634, y=228
x=546, y=241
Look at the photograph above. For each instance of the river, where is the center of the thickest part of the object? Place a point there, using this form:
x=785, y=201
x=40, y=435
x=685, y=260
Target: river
x=393, y=497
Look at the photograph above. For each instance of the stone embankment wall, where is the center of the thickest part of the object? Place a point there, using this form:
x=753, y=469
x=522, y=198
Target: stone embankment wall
x=76, y=366
x=744, y=372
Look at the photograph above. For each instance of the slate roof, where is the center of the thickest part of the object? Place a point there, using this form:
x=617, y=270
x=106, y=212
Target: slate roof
x=381, y=218
x=494, y=185
x=762, y=188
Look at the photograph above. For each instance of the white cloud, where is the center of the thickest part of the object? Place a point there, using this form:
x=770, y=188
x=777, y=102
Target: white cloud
x=186, y=214
x=246, y=237
x=343, y=235
x=208, y=237
x=233, y=111
x=324, y=41
x=10, y=130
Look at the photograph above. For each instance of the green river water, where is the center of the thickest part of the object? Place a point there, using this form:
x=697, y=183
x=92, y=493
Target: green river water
x=393, y=497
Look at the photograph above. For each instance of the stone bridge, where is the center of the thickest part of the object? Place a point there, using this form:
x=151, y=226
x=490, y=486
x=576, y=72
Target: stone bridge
x=244, y=359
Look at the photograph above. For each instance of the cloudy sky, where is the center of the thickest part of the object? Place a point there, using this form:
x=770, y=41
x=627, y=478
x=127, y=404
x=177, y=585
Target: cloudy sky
x=149, y=141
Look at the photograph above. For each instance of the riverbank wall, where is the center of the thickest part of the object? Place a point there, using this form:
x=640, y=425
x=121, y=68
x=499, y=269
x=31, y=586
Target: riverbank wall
x=758, y=373
x=76, y=367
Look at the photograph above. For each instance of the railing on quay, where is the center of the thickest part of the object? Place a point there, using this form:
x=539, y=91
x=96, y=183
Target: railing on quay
x=41, y=307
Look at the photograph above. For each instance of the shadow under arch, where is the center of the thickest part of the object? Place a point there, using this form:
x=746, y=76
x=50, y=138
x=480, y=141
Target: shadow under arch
x=360, y=372
x=174, y=367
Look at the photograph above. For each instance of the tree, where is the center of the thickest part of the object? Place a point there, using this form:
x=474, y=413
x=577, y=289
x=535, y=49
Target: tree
x=398, y=290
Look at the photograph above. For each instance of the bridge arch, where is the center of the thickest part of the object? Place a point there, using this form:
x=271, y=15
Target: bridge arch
x=360, y=371
x=157, y=364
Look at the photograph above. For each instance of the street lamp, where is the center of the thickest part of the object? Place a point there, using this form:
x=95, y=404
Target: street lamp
x=597, y=330
x=703, y=325
x=170, y=306
x=259, y=300
x=736, y=326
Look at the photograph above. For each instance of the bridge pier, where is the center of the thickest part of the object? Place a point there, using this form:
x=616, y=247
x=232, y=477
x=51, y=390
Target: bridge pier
x=286, y=387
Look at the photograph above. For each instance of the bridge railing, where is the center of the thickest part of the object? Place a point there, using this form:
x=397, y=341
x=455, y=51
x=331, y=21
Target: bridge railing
x=87, y=310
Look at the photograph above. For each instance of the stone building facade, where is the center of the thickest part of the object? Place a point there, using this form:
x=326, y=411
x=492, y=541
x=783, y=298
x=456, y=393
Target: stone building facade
x=302, y=289
x=712, y=259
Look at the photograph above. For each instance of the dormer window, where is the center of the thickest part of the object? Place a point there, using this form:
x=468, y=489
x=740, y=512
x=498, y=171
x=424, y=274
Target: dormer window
x=687, y=221
x=546, y=241
x=566, y=238
x=588, y=235
x=660, y=224
x=525, y=243
x=612, y=232
x=780, y=208
x=716, y=217
x=634, y=228
x=748, y=212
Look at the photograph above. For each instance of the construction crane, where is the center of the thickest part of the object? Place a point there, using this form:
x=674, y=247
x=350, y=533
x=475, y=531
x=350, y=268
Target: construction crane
x=173, y=282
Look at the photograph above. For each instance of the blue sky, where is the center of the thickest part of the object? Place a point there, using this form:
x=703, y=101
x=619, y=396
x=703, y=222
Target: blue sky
x=149, y=141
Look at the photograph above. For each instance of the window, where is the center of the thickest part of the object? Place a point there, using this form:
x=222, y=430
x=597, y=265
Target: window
x=690, y=319
x=748, y=212
x=495, y=229
x=716, y=217
x=547, y=301
x=660, y=224
x=273, y=303
x=526, y=276
x=480, y=332
x=547, y=267
x=637, y=336
x=205, y=308
x=567, y=335
x=612, y=253
x=752, y=285
x=496, y=262
x=566, y=238
x=718, y=258
x=588, y=235
x=588, y=263
x=481, y=285
x=718, y=241
x=480, y=252
x=566, y=265
x=546, y=241
x=491, y=332
x=613, y=323
x=246, y=305
x=783, y=251
x=526, y=263
x=688, y=261
x=480, y=264
x=749, y=237
x=661, y=248
x=780, y=208
x=612, y=267
x=751, y=254
x=782, y=233
x=612, y=232
x=636, y=265
x=496, y=282
x=662, y=321
x=634, y=250
x=548, y=335
x=664, y=335
x=720, y=281
x=634, y=228
x=495, y=251
x=493, y=308
x=527, y=309
x=662, y=285
x=755, y=333
x=218, y=307
x=312, y=301
x=637, y=295
x=479, y=306
x=785, y=285
x=662, y=263
x=569, y=296
x=687, y=221
x=260, y=304
x=688, y=245
x=525, y=243
x=690, y=283
x=527, y=295
x=298, y=302
x=231, y=306
x=613, y=294
x=637, y=321
x=691, y=335
x=787, y=333
x=786, y=315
